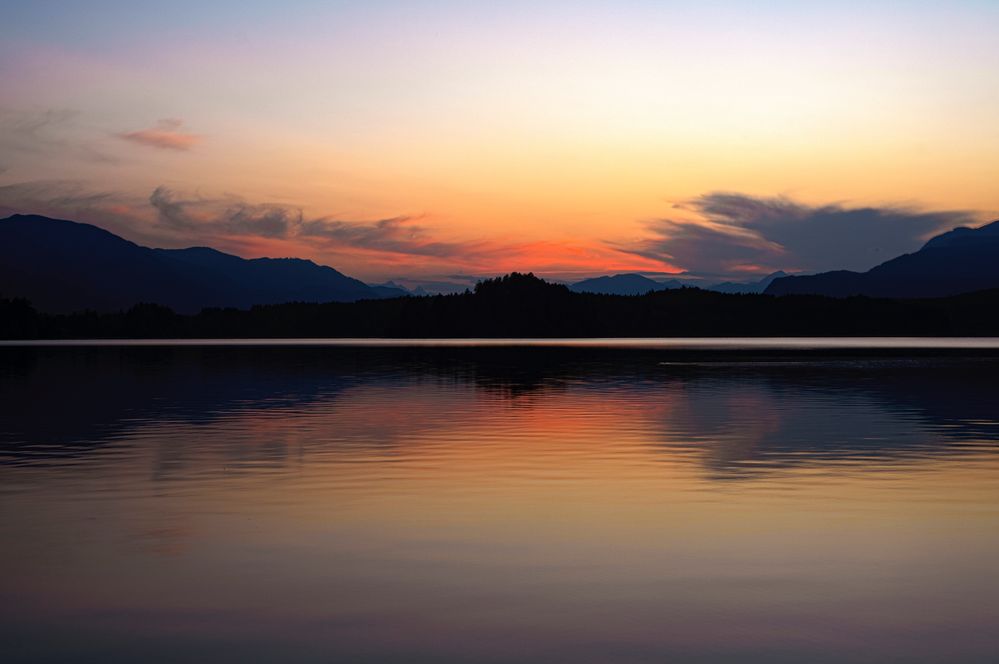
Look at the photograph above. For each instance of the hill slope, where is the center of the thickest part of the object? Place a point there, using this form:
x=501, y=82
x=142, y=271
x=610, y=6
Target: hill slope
x=959, y=261
x=66, y=266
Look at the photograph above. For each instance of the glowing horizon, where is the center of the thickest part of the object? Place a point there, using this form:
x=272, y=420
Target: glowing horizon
x=425, y=140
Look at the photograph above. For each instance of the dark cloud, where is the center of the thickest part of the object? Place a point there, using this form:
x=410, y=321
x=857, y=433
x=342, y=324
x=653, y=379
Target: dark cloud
x=172, y=212
x=230, y=216
x=168, y=134
x=234, y=217
x=272, y=221
x=395, y=235
x=371, y=234
x=700, y=248
x=735, y=232
x=718, y=235
x=224, y=216
x=185, y=219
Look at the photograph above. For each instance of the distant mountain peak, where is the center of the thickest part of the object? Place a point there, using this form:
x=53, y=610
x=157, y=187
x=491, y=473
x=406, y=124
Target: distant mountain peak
x=747, y=286
x=629, y=283
x=965, y=234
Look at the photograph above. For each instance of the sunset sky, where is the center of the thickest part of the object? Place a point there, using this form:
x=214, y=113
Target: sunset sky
x=449, y=140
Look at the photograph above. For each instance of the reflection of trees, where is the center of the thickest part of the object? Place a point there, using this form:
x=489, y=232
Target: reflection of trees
x=739, y=413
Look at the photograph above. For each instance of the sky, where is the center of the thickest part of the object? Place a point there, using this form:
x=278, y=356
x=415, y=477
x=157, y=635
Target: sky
x=451, y=140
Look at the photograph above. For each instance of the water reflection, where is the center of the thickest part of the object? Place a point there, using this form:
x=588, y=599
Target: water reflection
x=499, y=505
x=740, y=415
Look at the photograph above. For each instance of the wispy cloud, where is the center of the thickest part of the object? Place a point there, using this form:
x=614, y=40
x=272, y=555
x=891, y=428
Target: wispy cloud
x=225, y=216
x=727, y=233
x=51, y=195
x=235, y=217
x=29, y=129
x=47, y=132
x=168, y=218
x=167, y=134
x=402, y=244
x=718, y=234
x=400, y=235
x=78, y=201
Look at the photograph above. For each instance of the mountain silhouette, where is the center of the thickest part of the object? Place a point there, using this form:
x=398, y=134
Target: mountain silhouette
x=622, y=284
x=959, y=261
x=390, y=289
x=747, y=286
x=637, y=284
x=63, y=266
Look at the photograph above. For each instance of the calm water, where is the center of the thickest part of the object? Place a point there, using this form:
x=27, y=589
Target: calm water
x=536, y=504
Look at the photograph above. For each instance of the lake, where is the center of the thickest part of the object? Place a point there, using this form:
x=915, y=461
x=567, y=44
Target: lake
x=628, y=501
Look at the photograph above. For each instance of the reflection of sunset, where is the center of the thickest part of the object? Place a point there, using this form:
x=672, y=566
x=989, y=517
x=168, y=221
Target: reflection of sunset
x=339, y=504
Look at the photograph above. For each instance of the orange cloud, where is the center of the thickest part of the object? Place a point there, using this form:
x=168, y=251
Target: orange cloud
x=166, y=135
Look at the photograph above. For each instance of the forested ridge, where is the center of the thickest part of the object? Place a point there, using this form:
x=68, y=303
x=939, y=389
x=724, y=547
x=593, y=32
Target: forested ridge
x=522, y=305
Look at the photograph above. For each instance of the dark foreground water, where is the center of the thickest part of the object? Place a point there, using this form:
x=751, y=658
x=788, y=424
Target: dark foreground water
x=293, y=504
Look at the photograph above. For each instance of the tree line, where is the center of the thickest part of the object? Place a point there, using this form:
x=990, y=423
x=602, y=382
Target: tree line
x=522, y=305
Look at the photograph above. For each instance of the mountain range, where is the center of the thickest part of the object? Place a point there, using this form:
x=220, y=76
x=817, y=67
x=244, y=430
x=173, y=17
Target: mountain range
x=747, y=286
x=63, y=266
x=622, y=284
x=958, y=261
x=637, y=284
